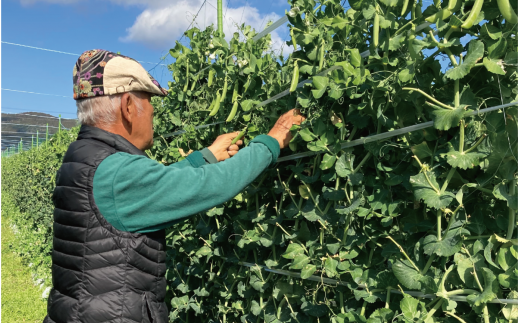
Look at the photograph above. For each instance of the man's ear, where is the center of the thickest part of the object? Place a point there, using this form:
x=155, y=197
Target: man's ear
x=126, y=108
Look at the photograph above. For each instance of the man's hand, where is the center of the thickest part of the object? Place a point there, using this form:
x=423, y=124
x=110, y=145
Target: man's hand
x=222, y=148
x=281, y=128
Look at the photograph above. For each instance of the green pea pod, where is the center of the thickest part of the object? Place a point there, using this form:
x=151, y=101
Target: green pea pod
x=473, y=14
x=375, y=36
x=454, y=5
x=224, y=91
x=322, y=54
x=194, y=83
x=216, y=105
x=187, y=75
x=295, y=77
x=293, y=39
x=411, y=38
x=418, y=10
x=240, y=135
x=246, y=86
x=405, y=6
x=233, y=112
x=507, y=11
x=235, y=92
x=441, y=14
x=210, y=77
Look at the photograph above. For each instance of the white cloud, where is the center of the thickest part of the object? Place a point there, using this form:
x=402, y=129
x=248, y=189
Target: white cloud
x=31, y=2
x=162, y=23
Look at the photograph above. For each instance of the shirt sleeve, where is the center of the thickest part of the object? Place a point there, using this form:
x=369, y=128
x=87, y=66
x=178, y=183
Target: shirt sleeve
x=137, y=194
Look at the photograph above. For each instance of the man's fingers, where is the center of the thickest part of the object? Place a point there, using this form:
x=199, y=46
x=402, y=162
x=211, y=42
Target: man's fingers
x=233, y=148
x=239, y=142
x=232, y=152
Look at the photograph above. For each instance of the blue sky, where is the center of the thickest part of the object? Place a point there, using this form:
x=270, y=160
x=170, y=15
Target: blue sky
x=141, y=29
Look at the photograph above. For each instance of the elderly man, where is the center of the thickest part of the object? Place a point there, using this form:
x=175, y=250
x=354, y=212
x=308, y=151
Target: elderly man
x=112, y=203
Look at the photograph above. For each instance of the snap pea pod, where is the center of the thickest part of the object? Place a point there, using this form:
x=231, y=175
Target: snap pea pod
x=246, y=86
x=507, y=11
x=235, y=92
x=322, y=54
x=473, y=14
x=224, y=91
x=439, y=15
x=293, y=39
x=240, y=135
x=295, y=77
x=233, y=112
x=210, y=77
x=216, y=105
x=194, y=83
x=405, y=6
x=375, y=35
x=454, y=5
x=187, y=75
x=418, y=9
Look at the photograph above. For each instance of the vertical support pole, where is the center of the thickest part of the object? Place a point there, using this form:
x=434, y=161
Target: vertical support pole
x=47, y=134
x=32, y=141
x=219, y=18
x=37, y=138
x=59, y=126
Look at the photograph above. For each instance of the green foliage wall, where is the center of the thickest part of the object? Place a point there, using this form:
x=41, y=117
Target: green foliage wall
x=28, y=180
x=419, y=212
x=432, y=212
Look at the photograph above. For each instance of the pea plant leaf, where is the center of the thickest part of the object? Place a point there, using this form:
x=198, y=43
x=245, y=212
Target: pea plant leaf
x=490, y=289
x=462, y=159
x=445, y=119
x=475, y=54
x=423, y=190
x=447, y=246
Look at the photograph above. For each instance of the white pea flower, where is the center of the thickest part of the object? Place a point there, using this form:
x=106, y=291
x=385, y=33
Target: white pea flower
x=46, y=292
x=244, y=62
x=206, y=53
x=294, y=12
x=270, y=43
x=211, y=46
x=212, y=56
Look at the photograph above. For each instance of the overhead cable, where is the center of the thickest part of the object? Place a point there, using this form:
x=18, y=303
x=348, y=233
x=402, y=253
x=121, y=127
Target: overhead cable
x=342, y=283
x=14, y=115
x=30, y=125
x=68, y=97
x=286, y=92
x=57, y=51
x=392, y=133
x=17, y=109
x=30, y=133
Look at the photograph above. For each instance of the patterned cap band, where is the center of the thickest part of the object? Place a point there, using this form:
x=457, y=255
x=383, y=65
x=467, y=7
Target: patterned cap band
x=99, y=72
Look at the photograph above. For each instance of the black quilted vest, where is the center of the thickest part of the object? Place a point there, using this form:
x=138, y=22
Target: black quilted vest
x=100, y=274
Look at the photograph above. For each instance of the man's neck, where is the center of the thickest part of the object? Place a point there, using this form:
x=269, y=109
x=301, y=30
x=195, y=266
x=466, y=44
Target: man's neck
x=119, y=130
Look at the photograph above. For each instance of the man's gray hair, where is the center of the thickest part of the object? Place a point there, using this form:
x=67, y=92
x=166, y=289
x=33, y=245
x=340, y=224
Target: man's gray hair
x=102, y=110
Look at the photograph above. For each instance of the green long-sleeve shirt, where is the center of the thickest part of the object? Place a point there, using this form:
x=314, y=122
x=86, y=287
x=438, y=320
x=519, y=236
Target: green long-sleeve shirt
x=137, y=194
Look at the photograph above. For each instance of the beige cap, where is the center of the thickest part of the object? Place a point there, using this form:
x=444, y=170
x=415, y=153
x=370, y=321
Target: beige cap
x=99, y=72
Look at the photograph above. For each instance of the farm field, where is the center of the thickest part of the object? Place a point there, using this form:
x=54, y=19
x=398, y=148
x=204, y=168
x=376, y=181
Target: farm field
x=21, y=299
x=397, y=198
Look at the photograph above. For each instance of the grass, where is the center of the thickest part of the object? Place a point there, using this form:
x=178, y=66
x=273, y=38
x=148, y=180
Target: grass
x=21, y=300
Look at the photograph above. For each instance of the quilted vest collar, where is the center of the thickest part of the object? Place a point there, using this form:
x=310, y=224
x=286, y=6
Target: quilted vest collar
x=116, y=141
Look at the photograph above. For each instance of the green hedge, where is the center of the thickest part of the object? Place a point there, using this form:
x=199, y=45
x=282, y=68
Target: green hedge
x=28, y=180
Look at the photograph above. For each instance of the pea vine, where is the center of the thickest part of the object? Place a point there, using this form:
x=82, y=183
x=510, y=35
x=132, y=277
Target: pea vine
x=419, y=227
x=432, y=210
